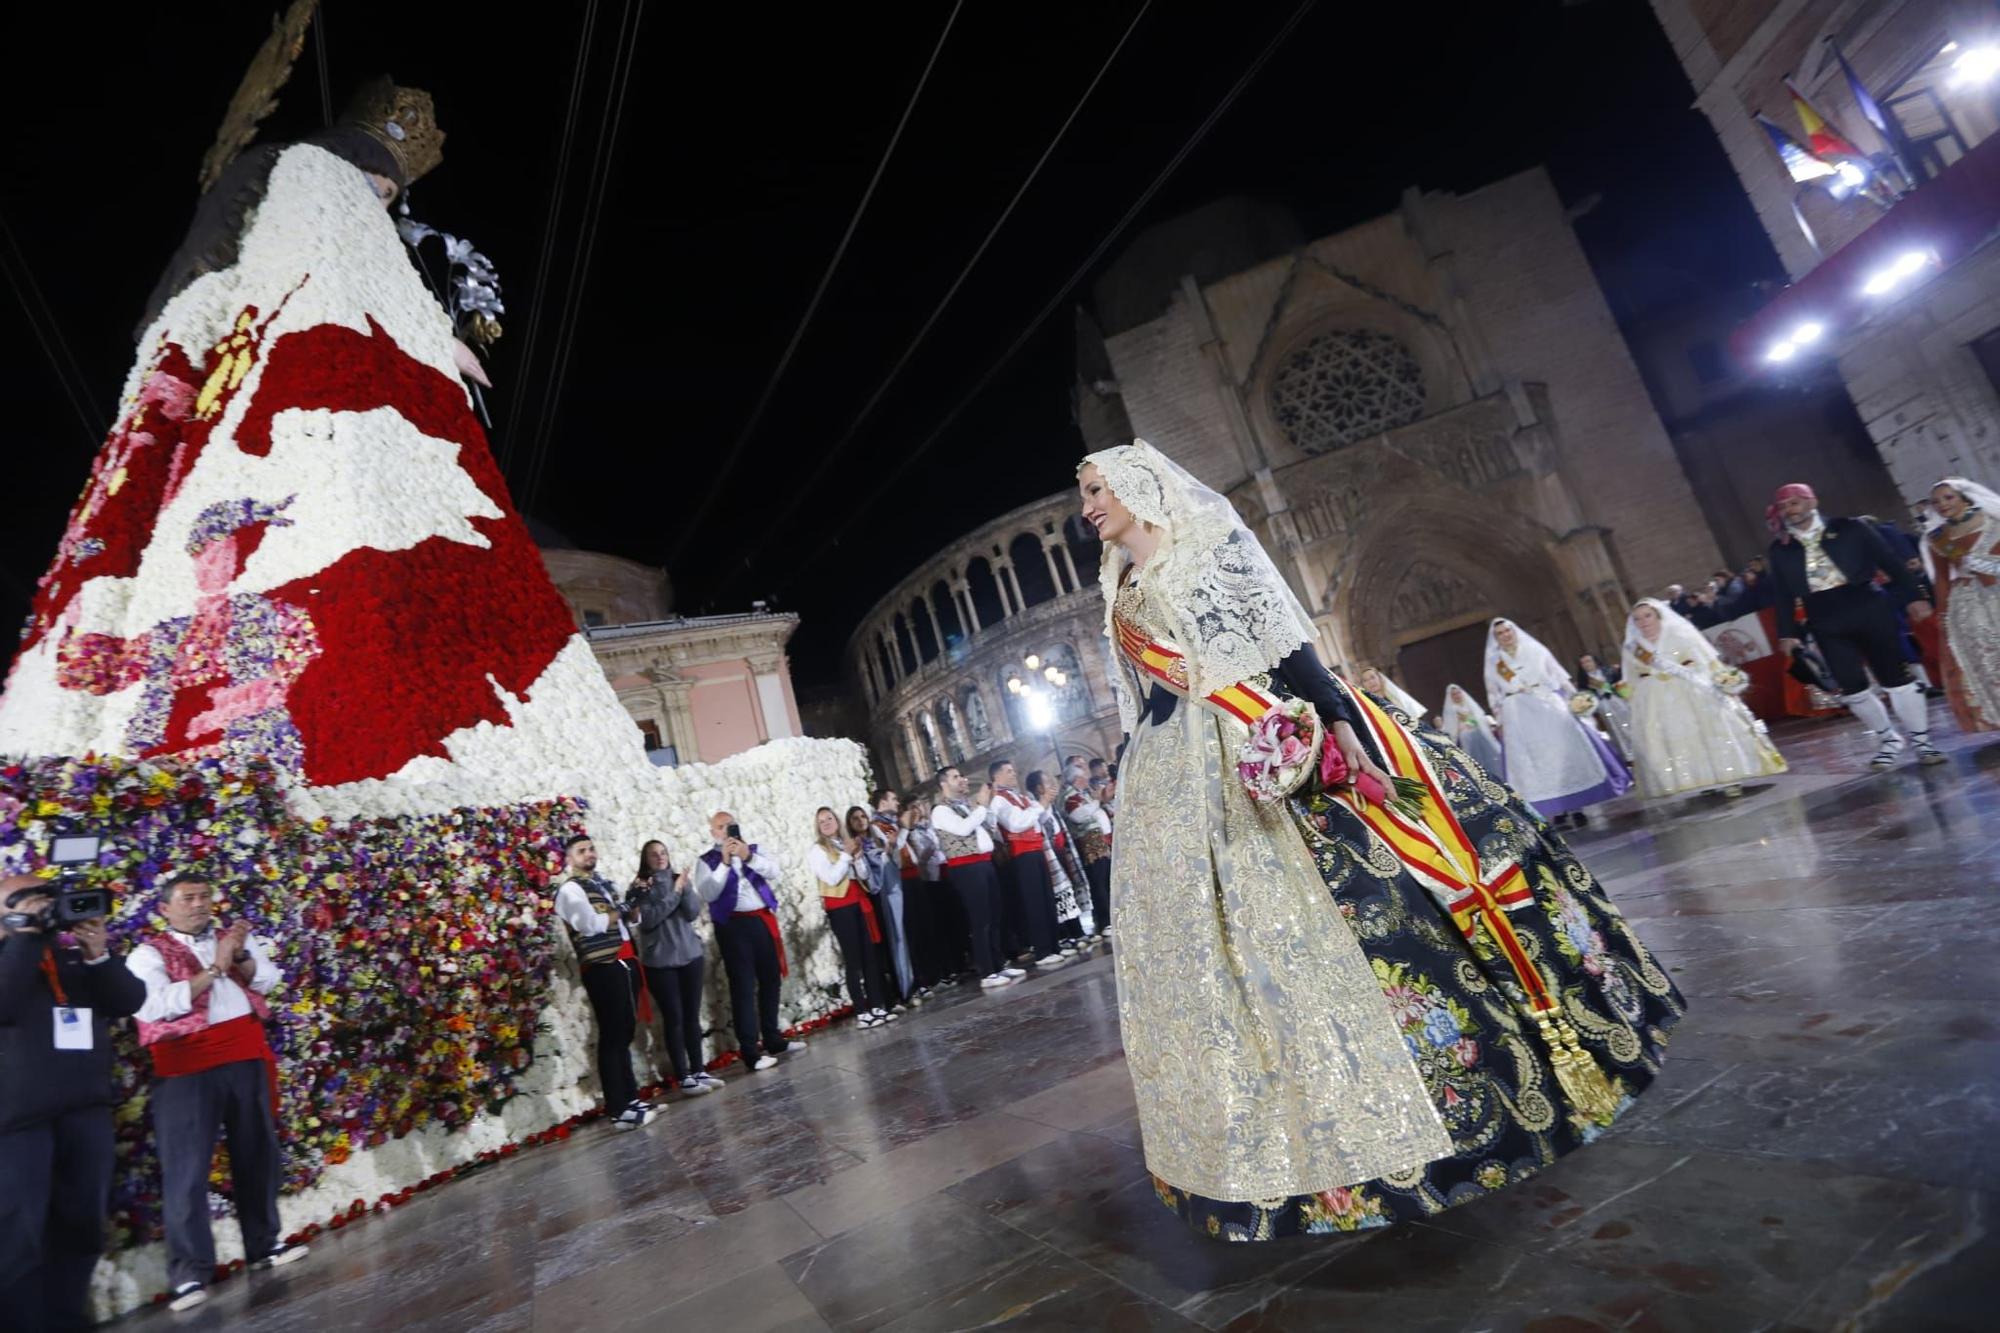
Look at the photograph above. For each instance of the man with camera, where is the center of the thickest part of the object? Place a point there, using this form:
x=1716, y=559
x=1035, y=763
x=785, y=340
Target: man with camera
x=56, y=1003
x=735, y=879
x=203, y=1024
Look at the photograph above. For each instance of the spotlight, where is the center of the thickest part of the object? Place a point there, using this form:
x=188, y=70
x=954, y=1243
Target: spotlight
x=1808, y=333
x=1893, y=275
x=1040, y=715
x=1781, y=352
x=1975, y=67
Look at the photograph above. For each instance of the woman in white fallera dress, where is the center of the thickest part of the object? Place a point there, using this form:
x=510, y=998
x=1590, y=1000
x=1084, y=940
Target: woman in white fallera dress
x=1473, y=730
x=1555, y=759
x=1691, y=734
x=1377, y=683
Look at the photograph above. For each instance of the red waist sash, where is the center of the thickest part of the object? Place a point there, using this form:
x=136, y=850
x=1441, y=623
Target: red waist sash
x=856, y=896
x=224, y=1043
x=770, y=920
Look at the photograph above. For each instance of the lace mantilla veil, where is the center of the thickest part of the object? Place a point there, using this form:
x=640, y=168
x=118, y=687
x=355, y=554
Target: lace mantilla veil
x=1234, y=615
x=1679, y=640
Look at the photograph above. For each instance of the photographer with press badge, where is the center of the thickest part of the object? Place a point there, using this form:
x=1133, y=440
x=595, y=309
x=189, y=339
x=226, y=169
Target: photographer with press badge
x=56, y=1003
x=203, y=1023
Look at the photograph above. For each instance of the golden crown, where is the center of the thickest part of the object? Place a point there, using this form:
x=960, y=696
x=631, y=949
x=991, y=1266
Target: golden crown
x=403, y=120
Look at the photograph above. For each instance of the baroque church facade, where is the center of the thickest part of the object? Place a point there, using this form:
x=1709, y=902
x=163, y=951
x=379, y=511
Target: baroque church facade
x=1430, y=419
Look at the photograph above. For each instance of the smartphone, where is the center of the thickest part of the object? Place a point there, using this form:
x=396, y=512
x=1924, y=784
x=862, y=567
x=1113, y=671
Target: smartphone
x=734, y=831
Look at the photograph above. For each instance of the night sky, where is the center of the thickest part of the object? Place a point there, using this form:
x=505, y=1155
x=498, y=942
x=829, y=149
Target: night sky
x=746, y=137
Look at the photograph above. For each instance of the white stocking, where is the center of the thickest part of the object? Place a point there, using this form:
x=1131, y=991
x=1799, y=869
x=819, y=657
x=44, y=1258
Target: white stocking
x=1868, y=708
x=1911, y=711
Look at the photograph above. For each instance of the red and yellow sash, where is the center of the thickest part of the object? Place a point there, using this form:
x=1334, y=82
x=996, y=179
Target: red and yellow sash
x=1435, y=849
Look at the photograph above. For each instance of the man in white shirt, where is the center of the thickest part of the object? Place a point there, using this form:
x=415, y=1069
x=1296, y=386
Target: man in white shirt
x=738, y=881
x=1019, y=820
x=960, y=826
x=588, y=906
x=203, y=1024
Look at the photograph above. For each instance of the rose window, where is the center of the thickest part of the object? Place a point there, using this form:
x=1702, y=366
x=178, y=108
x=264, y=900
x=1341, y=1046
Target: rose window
x=1343, y=386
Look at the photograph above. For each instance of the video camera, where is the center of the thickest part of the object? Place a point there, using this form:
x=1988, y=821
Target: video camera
x=75, y=901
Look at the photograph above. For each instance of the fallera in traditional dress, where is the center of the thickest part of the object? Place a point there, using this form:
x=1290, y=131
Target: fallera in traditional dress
x=1333, y=1022
x=1556, y=760
x=1965, y=565
x=1691, y=734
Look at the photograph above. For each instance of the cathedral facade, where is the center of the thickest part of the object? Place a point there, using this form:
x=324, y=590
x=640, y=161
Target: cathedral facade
x=1429, y=419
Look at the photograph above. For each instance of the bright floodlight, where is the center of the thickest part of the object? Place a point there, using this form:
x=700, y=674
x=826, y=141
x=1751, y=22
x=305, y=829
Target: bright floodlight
x=1033, y=663
x=1850, y=175
x=1013, y=684
x=1976, y=66
x=1781, y=352
x=1910, y=261
x=1040, y=715
x=1808, y=333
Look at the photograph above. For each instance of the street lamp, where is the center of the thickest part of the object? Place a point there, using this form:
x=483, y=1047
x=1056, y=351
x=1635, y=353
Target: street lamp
x=1039, y=704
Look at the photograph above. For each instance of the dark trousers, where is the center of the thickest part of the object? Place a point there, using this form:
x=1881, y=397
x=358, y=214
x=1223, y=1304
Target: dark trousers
x=1037, y=902
x=951, y=936
x=750, y=960
x=920, y=925
x=1098, y=872
x=1855, y=628
x=859, y=956
x=977, y=889
x=52, y=1207
x=188, y=1111
x=677, y=991
x=614, y=996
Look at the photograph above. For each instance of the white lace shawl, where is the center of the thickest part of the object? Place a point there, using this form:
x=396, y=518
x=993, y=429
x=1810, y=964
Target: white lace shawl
x=1533, y=665
x=1679, y=641
x=1458, y=716
x=1231, y=612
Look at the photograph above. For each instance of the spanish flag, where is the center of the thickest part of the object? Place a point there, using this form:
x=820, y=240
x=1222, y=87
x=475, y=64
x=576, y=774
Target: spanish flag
x=1821, y=137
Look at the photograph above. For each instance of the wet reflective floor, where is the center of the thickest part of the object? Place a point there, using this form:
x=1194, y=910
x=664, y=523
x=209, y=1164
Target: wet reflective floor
x=1820, y=1154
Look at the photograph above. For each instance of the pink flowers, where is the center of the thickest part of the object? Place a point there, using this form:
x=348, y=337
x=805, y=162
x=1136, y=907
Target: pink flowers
x=1276, y=758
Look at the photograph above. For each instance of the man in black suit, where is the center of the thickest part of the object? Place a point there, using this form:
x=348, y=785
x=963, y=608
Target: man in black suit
x=1823, y=574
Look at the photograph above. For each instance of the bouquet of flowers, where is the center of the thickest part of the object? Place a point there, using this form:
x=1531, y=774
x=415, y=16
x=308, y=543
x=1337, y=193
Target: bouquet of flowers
x=1731, y=680
x=1583, y=703
x=1405, y=795
x=1278, y=755
x=1622, y=689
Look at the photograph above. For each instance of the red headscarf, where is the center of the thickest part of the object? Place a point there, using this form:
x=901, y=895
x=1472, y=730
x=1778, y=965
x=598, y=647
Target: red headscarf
x=1794, y=490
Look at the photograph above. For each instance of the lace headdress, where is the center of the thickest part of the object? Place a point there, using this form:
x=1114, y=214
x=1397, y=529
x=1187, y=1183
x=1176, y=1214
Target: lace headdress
x=1461, y=710
x=1234, y=614
x=1679, y=642
x=1531, y=662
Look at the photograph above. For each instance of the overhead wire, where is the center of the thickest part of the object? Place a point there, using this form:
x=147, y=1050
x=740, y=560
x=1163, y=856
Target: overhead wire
x=861, y=502
x=319, y=56
x=607, y=146
x=715, y=488
x=48, y=332
x=830, y=454
x=524, y=376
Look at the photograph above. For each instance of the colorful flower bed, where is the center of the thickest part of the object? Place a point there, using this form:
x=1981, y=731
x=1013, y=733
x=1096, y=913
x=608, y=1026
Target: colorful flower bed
x=416, y=952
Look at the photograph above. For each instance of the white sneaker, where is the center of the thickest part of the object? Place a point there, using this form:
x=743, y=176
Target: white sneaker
x=1013, y=973
x=636, y=1116
x=284, y=1254
x=868, y=1021
x=993, y=982
x=793, y=1045
x=765, y=1062
x=188, y=1295
x=692, y=1086
x=1053, y=960
x=708, y=1080
x=1926, y=752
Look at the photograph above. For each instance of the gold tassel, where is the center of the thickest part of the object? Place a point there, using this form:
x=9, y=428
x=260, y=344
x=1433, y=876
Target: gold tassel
x=1582, y=1082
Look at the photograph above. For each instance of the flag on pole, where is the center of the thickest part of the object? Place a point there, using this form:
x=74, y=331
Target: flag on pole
x=1891, y=131
x=1821, y=137
x=1801, y=164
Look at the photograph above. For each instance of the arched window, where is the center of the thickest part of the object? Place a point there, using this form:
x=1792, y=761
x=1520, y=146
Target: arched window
x=986, y=602
x=953, y=728
x=1031, y=569
x=945, y=611
x=977, y=723
x=905, y=650
x=932, y=749
x=1084, y=548
x=920, y=622
x=888, y=668
x=1345, y=385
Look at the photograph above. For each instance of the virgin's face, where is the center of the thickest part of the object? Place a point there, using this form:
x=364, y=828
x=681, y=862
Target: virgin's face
x=1457, y=695
x=1101, y=509
x=1648, y=621
x=1948, y=502
x=1506, y=636
x=829, y=824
